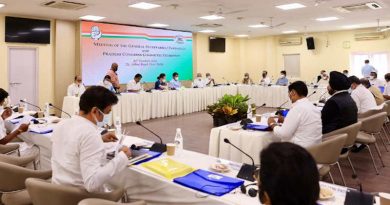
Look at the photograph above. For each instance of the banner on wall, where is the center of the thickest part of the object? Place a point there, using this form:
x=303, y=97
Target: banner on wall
x=136, y=50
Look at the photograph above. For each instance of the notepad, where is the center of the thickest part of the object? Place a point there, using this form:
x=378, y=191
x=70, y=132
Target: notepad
x=168, y=168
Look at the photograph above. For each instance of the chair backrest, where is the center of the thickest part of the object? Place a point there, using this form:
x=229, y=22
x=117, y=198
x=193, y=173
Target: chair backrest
x=373, y=112
x=373, y=123
x=105, y=202
x=351, y=130
x=388, y=107
x=328, y=152
x=42, y=192
x=13, y=177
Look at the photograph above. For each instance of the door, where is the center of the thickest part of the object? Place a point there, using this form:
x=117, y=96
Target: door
x=292, y=65
x=22, y=70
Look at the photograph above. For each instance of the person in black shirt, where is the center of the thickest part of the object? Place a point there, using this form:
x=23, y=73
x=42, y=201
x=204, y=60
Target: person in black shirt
x=340, y=110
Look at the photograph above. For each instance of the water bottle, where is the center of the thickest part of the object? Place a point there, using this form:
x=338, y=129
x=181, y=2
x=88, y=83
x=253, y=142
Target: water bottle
x=249, y=112
x=47, y=110
x=178, y=141
x=118, y=125
x=25, y=105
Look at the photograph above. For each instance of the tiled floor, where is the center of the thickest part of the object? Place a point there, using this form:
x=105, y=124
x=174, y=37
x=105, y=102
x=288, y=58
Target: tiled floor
x=196, y=131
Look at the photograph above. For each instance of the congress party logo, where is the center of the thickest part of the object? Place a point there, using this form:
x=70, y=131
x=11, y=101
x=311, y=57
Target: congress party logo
x=213, y=176
x=179, y=39
x=96, y=34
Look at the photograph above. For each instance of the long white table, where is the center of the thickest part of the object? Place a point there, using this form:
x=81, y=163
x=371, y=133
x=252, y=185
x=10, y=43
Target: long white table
x=142, y=184
x=134, y=107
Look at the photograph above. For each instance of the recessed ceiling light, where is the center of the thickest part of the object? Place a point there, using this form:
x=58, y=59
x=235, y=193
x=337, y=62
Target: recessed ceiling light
x=290, y=31
x=351, y=26
x=242, y=35
x=92, y=18
x=144, y=5
x=158, y=25
x=212, y=17
x=291, y=6
x=332, y=18
x=207, y=31
x=2, y=5
x=258, y=26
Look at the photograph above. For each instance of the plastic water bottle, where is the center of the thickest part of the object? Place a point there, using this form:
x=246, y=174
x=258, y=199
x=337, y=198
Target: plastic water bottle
x=179, y=141
x=25, y=105
x=47, y=110
x=118, y=125
x=249, y=112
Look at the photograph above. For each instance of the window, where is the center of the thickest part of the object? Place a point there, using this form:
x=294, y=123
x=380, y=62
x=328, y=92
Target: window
x=380, y=61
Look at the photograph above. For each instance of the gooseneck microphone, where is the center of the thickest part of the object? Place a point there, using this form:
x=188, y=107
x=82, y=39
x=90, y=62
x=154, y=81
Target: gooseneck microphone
x=36, y=106
x=281, y=106
x=156, y=147
x=312, y=94
x=59, y=109
x=246, y=171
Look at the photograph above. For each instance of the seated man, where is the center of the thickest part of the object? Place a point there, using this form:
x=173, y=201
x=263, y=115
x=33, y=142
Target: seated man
x=379, y=99
x=302, y=125
x=288, y=176
x=198, y=81
x=363, y=98
x=282, y=80
x=247, y=80
x=135, y=84
x=340, y=109
x=386, y=93
x=6, y=113
x=323, y=78
x=78, y=150
x=209, y=81
x=265, y=80
x=175, y=84
x=374, y=81
x=107, y=83
x=76, y=88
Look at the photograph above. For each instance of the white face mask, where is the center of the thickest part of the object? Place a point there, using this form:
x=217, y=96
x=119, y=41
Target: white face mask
x=105, y=121
x=282, y=76
x=371, y=77
x=176, y=78
x=163, y=80
x=209, y=77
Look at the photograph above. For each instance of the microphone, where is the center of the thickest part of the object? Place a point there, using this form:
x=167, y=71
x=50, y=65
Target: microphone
x=280, y=107
x=23, y=101
x=312, y=94
x=156, y=147
x=246, y=171
x=51, y=105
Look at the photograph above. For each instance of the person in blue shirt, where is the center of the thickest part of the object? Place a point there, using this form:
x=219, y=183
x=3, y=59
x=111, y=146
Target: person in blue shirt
x=367, y=69
x=175, y=84
x=282, y=80
x=161, y=82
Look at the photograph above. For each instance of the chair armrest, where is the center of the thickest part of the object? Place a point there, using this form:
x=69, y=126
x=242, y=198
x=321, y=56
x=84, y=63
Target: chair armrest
x=19, y=161
x=114, y=195
x=4, y=149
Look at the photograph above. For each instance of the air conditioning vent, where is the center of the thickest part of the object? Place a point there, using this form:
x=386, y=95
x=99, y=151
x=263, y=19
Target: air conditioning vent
x=358, y=7
x=370, y=36
x=206, y=25
x=68, y=5
x=290, y=41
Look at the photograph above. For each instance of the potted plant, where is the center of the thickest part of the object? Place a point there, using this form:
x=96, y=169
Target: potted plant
x=228, y=109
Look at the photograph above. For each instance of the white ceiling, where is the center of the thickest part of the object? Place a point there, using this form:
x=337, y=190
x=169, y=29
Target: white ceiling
x=188, y=12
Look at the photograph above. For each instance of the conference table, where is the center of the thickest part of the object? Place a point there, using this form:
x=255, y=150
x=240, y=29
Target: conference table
x=142, y=184
x=141, y=106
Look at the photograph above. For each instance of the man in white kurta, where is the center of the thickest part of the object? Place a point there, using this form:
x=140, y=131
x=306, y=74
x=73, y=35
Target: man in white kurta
x=78, y=151
x=302, y=125
x=363, y=98
x=76, y=88
x=199, y=82
x=135, y=84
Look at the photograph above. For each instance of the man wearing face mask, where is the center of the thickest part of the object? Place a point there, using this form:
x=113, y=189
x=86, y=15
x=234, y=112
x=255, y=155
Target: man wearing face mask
x=209, y=80
x=198, y=81
x=175, y=84
x=114, y=76
x=363, y=98
x=323, y=78
x=374, y=81
x=265, y=80
x=282, y=80
x=6, y=113
x=340, y=110
x=247, y=80
x=76, y=88
x=78, y=149
x=302, y=124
